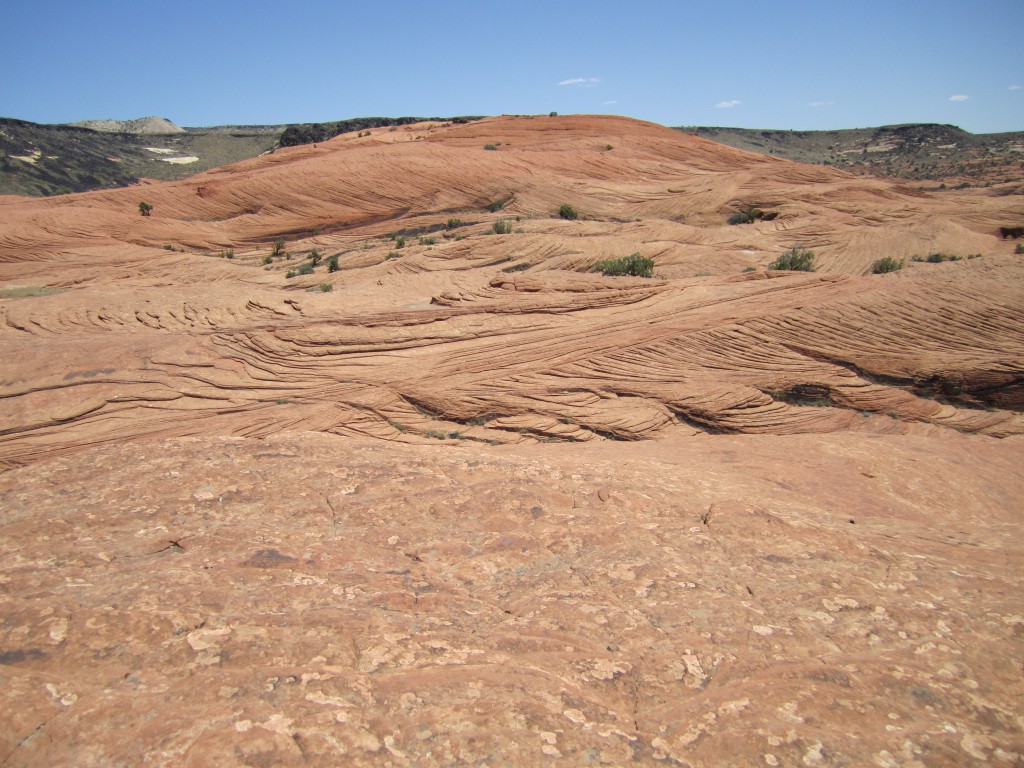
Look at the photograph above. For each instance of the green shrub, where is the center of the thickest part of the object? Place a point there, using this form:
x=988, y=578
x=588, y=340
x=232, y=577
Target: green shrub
x=427, y=241
x=633, y=265
x=326, y=287
x=332, y=264
x=936, y=258
x=400, y=242
x=290, y=274
x=496, y=206
x=394, y=255
x=268, y=260
x=750, y=269
x=552, y=114
x=502, y=227
x=228, y=254
x=1019, y=248
x=145, y=208
x=453, y=223
x=278, y=248
x=796, y=259
x=609, y=147
x=306, y=269
x=490, y=147
x=566, y=211
x=168, y=247
x=886, y=264
x=742, y=217
x=314, y=257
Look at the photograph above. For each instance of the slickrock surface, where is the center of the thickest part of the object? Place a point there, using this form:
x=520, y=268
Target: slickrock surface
x=476, y=505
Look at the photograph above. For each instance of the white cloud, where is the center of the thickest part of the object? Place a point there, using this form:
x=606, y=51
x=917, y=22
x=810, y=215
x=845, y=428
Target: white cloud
x=959, y=97
x=588, y=82
x=821, y=104
x=1014, y=87
x=728, y=104
x=608, y=103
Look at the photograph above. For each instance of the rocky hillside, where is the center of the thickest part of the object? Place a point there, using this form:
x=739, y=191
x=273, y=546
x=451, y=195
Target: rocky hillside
x=922, y=152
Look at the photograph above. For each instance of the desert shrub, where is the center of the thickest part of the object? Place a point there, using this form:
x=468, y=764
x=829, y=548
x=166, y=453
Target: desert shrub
x=278, y=248
x=326, y=287
x=566, y=211
x=314, y=257
x=306, y=269
x=742, y=217
x=228, y=254
x=453, y=223
x=521, y=267
x=886, y=264
x=796, y=259
x=168, y=247
x=290, y=274
x=1019, y=248
x=332, y=264
x=501, y=227
x=145, y=208
x=750, y=269
x=633, y=265
x=400, y=242
x=490, y=147
x=268, y=260
x=609, y=147
x=552, y=114
x=427, y=241
x=394, y=255
x=936, y=258
x=496, y=206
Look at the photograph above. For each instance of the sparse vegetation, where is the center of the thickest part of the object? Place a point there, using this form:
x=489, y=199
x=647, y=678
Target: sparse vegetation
x=393, y=255
x=496, y=206
x=633, y=265
x=332, y=264
x=228, y=254
x=936, y=258
x=501, y=227
x=752, y=214
x=306, y=269
x=750, y=269
x=278, y=248
x=145, y=208
x=490, y=147
x=400, y=242
x=1019, y=249
x=326, y=287
x=28, y=291
x=314, y=257
x=566, y=211
x=427, y=241
x=268, y=260
x=453, y=223
x=796, y=259
x=886, y=264
x=522, y=267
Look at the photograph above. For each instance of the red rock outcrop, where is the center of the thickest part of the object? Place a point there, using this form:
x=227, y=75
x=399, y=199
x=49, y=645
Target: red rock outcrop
x=246, y=520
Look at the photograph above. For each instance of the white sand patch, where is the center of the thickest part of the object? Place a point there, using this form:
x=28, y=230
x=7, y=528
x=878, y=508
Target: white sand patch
x=29, y=158
x=160, y=150
x=180, y=160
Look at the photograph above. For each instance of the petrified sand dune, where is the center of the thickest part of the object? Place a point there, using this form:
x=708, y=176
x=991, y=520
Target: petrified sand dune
x=250, y=521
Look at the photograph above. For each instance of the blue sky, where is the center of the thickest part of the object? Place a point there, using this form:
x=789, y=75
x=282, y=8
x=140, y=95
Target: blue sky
x=765, y=64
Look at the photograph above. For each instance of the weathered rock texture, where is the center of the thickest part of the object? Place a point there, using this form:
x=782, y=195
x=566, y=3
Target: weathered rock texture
x=247, y=524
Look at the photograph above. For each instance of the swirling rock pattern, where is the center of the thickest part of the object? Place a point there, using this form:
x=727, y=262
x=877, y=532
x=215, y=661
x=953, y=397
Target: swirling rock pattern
x=479, y=504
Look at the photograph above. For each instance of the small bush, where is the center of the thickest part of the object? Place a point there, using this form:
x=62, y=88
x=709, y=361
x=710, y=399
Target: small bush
x=633, y=265
x=427, y=241
x=290, y=274
x=326, y=287
x=394, y=255
x=268, y=260
x=552, y=114
x=742, y=217
x=794, y=260
x=453, y=223
x=278, y=248
x=490, y=147
x=566, y=211
x=314, y=257
x=1019, y=248
x=496, y=206
x=609, y=147
x=306, y=269
x=145, y=208
x=502, y=227
x=886, y=264
x=332, y=264
x=750, y=269
x=400, y=242
x=168, y=247
x=936, y=258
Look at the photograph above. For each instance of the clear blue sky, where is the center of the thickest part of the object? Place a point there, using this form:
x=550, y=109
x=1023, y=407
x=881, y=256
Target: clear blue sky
x=801, y=64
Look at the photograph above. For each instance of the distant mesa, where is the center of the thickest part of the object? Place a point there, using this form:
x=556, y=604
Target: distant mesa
x=141, y=125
